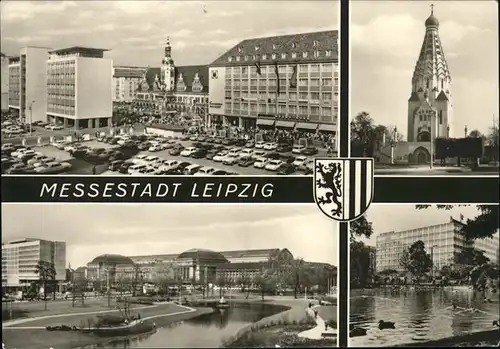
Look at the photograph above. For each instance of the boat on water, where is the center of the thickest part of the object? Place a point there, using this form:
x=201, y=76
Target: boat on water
x=133, y=327
x=222, y=304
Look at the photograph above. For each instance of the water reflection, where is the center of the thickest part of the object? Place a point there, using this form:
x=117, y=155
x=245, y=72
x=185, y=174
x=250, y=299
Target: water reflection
x=420, y=315
x=205, y=331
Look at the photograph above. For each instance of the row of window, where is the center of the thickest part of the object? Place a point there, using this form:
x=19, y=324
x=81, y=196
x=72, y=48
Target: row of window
x=291, y=109
x=291, y=96
x=284, y=55
x=55, y=108
x=282, y=69
x=304, y=82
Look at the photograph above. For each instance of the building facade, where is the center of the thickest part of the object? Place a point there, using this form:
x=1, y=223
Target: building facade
x=4, y=89
x=430, y=107
x=28, y=83
x=20, y=258
x=79, y=88
x=289, y=82
x=126, y=81
x=490, y=248
x=174, y=88
x=69, y=87
x=442, y=241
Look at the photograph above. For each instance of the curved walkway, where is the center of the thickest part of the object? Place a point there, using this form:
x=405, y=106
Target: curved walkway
x=10, y=324
x=319, y=331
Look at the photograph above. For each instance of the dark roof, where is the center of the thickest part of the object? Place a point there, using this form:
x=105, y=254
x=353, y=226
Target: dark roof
x=188, y=73
x=126, y=72
x=414, y=97
x=239, y=266
x=442, y=96
x=202, y=254
x=112, y=259
x=299, y=43
x=432, y=21
x=158, y=257
x=79, y=49
x=250, y=253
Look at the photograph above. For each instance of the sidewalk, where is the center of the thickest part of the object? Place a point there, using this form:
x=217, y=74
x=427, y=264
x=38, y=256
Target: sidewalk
x=319, y=331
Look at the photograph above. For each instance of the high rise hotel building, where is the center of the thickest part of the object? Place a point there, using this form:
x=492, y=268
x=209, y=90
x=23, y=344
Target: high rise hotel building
x=20, y=258
x=69, y=87
x=442, y=242
x=289, y=82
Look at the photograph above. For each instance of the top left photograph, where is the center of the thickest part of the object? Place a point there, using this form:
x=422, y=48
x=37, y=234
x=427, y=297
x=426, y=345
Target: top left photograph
x=147, y=88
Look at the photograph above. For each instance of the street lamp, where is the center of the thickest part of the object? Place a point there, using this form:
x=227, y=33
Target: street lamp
x=432, y=259
x=30, y=107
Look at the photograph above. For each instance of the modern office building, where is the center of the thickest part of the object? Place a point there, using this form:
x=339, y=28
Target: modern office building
x=20, y=258
x=174, y=88
x=28, y=83
x=289, y=82
x=79, y=88
x=69, y=87
x=442, y=241
x=126, y=81
x=4, y=89
x=490, y=247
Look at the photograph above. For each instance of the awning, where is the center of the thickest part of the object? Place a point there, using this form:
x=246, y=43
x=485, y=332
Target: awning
x=265, y=122
x=307, y=126
x=287, y=124
x=328, y=127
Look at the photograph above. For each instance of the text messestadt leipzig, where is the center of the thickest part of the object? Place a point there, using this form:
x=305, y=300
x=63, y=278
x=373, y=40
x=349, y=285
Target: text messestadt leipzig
x=155, y=190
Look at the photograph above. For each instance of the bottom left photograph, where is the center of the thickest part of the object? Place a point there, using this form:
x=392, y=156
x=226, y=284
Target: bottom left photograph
x=168, y=276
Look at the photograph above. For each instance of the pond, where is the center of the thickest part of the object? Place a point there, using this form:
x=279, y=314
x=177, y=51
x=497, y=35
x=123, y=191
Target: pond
x=205, y=331
x=420, y=315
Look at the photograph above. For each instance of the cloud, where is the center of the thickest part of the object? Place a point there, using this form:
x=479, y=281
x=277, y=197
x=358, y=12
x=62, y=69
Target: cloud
x=22, y=10
x=183, y=33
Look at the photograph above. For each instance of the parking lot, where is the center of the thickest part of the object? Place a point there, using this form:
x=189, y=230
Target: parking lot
x=82, y=166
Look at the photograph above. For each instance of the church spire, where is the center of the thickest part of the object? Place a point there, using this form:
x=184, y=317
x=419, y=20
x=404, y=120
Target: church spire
x=168, y=48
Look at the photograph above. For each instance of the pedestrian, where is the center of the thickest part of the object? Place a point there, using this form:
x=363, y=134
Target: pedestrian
x=315, y=313
x=93, y=170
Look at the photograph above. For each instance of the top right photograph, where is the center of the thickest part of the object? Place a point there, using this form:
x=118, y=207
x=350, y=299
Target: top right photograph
x=424, y=87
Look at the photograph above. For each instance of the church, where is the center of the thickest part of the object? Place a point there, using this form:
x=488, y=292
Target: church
x=430, y=107
x=174, y=88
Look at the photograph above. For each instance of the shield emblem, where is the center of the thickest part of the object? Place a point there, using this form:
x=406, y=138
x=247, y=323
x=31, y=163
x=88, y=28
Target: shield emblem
x=343, y=187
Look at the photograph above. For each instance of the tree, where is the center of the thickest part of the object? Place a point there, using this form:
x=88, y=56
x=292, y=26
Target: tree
x=362, y=134
x=476, y=134
x=485, y=224
x=266, y=283
x=222, y=282
x=79, y=288
x=420, y=260
x=164, y=277
x=360, y=272
x=137, y=280
x=405, y=260
x=46, y=273
x=471, y=257
x=123, y=284
x=245, y=282
x=361, y=227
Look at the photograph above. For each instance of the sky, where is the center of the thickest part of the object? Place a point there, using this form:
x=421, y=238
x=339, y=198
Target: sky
x=386, y=38
x=135, y=31
x=406, y=216
x=134, y=229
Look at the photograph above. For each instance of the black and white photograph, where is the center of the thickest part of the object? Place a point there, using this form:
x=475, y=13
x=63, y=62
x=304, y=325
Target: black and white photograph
x=169, y=87
x=424, y=86
x=168, y=276
x=428, y=276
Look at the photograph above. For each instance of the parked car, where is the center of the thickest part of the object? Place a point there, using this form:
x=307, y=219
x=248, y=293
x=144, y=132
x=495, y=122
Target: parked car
x=273, y=165
x=258, y=154
x=176, y=151
x=250, y=144
x=20, y=168
x=260, y=162
x=210, y=155
x=270, y=146
x=219, y=173
x=298, y=149
x=246, y=161
x=192, y=169
x=286, y=169
x=155, y=147
x=284, y=148
x=260, y=145
x=205, y=171
x=245, y=153
x=53, y=167
x=299, y=160
x=124, y=167
x=199, y=153
x=188, y=151
x=310, y=151
x=230, y=159
x=219, y=157
x=115, y=165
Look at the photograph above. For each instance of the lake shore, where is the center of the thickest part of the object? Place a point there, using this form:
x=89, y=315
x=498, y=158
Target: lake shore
x=30, y=333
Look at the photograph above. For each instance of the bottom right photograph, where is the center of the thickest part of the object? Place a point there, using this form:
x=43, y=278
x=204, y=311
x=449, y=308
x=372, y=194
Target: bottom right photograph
x=425, y=275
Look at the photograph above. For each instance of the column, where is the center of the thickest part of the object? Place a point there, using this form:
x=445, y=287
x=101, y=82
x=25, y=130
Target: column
x=65, y=122
x=109, y=122
x=240, y=122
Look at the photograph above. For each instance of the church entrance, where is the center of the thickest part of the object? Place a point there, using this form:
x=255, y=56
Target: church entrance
x=421, y=156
